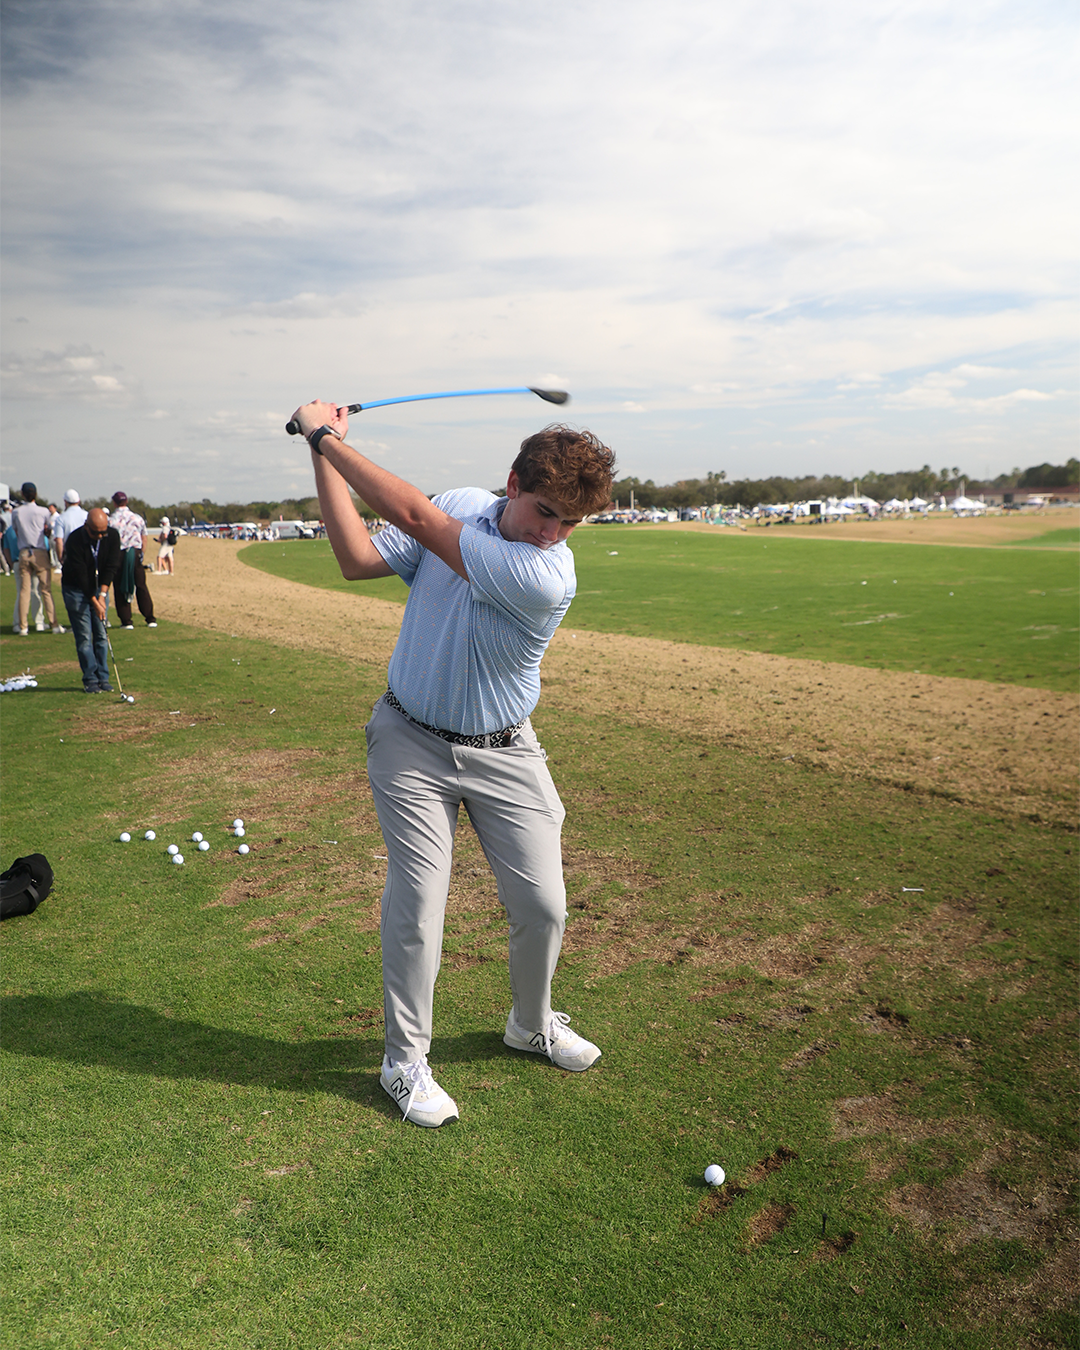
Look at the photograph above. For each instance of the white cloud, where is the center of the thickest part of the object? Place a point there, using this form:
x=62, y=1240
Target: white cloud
x=696, y=215
x=76, y=372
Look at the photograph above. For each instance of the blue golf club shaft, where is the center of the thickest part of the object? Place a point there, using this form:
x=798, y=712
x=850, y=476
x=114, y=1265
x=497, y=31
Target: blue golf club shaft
x=551, y=396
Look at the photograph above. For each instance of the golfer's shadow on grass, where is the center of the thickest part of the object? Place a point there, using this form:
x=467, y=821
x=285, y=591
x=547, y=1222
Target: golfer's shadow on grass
x=93, y=1029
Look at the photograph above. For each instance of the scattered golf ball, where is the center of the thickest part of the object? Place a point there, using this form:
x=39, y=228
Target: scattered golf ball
x=240, y=832
x=196, y=838
x=125, y=838
x=172, y=849
x=178, y=857
x=203, y=845
x=238, y=824
x=242, y=849
x=715, y=1175
x=149, y=835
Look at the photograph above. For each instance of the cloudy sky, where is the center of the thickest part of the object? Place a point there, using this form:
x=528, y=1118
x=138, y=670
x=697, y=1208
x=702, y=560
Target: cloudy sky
x=757, y=236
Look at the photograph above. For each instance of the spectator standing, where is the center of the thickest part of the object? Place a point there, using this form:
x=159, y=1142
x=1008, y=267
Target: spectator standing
x=132, y=579
x=32, y=525
x=91, y=562
x=6, y=564
x=70, y=518
x=9, y=548
x=54, y=560
x=167, y=543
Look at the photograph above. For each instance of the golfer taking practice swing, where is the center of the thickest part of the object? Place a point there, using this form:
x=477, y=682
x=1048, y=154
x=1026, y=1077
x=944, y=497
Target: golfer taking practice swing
x=489, y=579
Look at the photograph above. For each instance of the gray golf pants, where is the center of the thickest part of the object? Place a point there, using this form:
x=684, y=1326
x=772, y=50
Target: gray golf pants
x=419, y=781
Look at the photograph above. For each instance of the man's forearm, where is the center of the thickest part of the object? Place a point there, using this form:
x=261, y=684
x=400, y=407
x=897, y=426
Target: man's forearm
x=395, y=500
x=356, y=555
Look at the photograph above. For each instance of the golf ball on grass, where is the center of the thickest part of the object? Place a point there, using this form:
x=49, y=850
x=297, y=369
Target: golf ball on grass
x=203, y=846
x=240, y=832
x=715, y=1175
x=125, y=838
x=149, y=835
x=172, y=849
x=196, y=837
x=178, y=857
x=242, y=849
x=238, y=824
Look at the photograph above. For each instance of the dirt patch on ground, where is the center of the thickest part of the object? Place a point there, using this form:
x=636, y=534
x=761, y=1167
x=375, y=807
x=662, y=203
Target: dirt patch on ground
x=1003, y=748
x=767, y=1223
x=963, y=1209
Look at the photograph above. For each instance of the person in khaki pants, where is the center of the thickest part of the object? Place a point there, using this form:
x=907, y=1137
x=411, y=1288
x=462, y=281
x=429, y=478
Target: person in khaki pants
x=32, y=523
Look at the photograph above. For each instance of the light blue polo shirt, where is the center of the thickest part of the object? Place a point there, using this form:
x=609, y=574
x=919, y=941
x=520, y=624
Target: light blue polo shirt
x=468, y=655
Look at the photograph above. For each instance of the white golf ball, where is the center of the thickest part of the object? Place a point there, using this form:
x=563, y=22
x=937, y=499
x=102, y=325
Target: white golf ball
x=715, y=1175
x=196, y=838
x=131, y=698
x=238, y=824
x=242, y=849
x=149, y=835
x=178, y=857
x=172, y=849
x=239, y=831
x=125, y=838
x=203, y=845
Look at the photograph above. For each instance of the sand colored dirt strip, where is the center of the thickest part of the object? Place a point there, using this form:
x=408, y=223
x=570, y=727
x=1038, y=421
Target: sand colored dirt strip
x=1004, y=748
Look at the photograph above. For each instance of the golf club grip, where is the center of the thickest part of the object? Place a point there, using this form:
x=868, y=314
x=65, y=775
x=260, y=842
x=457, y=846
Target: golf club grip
x=293, y=428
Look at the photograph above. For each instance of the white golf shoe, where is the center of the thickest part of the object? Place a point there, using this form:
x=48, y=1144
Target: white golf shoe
x=562, y=1045
x=414, y=1089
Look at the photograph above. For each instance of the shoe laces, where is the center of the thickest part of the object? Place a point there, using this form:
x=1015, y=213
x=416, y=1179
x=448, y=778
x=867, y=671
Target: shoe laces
x=418, y=1075
x=558, y=1029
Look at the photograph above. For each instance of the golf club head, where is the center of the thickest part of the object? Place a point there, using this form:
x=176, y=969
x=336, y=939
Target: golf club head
x=552, y=395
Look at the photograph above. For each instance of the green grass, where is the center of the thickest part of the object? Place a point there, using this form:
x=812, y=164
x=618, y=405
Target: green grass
x=197, y=1152
x=980, y=613
x=1067, y=537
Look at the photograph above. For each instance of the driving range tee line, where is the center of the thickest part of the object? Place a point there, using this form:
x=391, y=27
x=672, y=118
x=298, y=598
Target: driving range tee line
x=550, y=395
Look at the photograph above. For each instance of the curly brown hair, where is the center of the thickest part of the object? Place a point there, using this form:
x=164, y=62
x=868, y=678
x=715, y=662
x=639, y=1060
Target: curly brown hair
x=572, y=467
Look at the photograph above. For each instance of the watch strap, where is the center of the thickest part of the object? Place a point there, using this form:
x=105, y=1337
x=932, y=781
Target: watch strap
x=316, y=436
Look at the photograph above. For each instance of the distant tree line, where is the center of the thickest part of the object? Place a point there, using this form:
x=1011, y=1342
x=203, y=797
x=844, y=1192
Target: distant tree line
x=715, y=489
x=712, y=490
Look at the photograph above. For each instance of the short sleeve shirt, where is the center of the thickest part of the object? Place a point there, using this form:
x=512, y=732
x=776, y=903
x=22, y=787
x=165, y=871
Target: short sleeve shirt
x=30, y=521
x=468, y=655
x=70, y=519
x=131, y=526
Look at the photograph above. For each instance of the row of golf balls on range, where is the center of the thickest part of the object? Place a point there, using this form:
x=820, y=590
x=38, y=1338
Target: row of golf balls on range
x=174, y=851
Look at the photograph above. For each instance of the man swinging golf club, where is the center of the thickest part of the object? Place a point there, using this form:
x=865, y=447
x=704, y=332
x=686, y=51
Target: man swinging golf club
x=490, y=580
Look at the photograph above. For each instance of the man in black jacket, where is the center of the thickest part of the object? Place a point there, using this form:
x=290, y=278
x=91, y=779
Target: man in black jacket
x=91, y=562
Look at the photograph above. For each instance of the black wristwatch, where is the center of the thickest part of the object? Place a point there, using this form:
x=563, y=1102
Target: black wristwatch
x=316, y=436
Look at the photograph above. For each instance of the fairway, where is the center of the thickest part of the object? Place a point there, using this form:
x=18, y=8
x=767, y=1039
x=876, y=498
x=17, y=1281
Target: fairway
x=856, y=995
x=982, y=613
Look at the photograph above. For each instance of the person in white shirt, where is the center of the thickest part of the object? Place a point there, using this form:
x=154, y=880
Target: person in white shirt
x=70, y=518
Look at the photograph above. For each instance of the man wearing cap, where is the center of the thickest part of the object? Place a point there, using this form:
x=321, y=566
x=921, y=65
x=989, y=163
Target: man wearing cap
x=91, y=562
x=32, y=525
x=132, y=579
x=70, y=518
x=167, y=542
